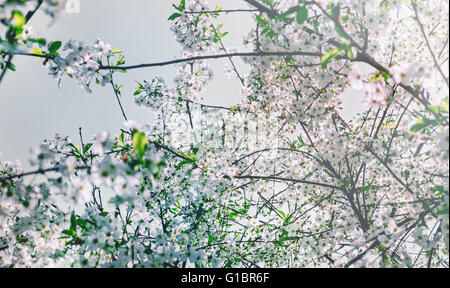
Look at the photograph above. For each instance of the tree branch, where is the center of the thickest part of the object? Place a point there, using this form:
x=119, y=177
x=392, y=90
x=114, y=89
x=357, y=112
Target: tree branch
x=286, y=179
x=203, y=57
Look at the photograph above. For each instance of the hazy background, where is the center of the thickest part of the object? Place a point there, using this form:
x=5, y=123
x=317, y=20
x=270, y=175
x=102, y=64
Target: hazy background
x=33, y=108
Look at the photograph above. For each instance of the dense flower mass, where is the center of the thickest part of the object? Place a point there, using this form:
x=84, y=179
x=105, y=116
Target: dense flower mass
x=279, y=180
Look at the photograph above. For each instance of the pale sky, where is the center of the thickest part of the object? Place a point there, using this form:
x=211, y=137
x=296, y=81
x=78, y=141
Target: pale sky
x=32, y=107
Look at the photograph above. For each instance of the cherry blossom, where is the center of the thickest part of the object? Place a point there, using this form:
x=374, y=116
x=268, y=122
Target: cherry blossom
x=279, y=179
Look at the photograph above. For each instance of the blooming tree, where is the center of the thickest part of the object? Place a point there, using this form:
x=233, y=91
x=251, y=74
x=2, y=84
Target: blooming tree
x=279, y=180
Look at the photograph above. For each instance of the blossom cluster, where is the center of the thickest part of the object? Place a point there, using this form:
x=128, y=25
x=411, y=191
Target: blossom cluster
x=82, y=62
x=279, y=180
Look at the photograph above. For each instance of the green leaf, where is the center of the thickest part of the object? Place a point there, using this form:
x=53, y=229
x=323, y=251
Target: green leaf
x=40, y=41
x=330, y=55
x=379, y=74
x=386, y=75
x=302, y=15
x=36, y=51
x=302, y=142
x=73, y=222
x=87, y=147
x=443, y=108
x=174, y=16
x=443, y=210
x=54, y=46
x=261, y=21
x=350, y=54
x=12, y=67
x=184, y=162
x=180, y=7
x=435, y=109
x=121, y=60
x=19, y=19
x=444, y=105
x=420, y=124
x=122, y=138
x=140, y=140
x=286, y=238
x=81, y=222
x=316, y=26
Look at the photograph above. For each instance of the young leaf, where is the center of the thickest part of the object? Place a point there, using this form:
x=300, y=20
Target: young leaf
x=174, y=16
x=420, y=124
x=37, y=51
x=330, y=55
x=261, y=21
x=19, y=19
x=12, y=67
x=122, y=138
x=302, y=15
x=73, y=222
x=87, y=147
x=140, y=140
x=40, y=41
x=54, y=46
x=350, y=54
